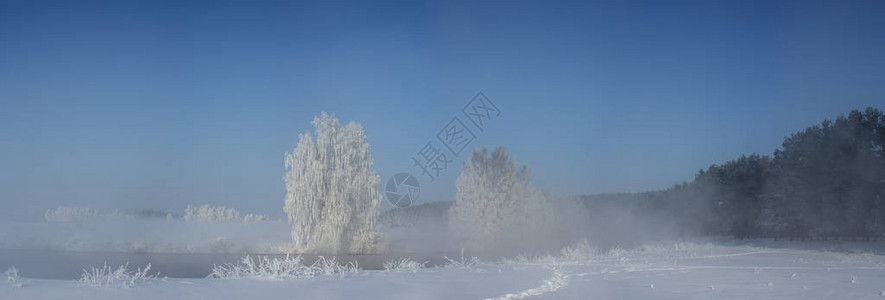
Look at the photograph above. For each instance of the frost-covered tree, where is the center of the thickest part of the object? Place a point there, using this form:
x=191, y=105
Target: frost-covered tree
x=496, y=203
x=332, y=195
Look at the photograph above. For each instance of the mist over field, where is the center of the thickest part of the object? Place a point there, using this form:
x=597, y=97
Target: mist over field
x=442, y=150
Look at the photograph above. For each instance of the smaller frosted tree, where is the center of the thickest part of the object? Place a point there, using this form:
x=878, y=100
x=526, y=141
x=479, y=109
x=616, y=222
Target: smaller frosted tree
x=332, y=195
x=496, y=203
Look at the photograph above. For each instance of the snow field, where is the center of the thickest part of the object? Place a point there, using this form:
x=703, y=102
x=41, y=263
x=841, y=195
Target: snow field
x=660, y=271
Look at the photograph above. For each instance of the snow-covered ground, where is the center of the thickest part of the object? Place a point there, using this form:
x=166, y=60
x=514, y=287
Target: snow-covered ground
x=669, y=270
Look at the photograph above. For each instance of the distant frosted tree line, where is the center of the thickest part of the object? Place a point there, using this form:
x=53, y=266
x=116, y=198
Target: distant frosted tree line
x=204, y=214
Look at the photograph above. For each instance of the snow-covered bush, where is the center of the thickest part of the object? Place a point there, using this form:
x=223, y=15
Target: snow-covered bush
x=69, y=214
x=13, y=278
x=262, y=267
x=580, y=251
x=122, y=276
x=403, y=265
x=11, y=275
x=463, y=262
x=211, y=214
x=289, y=267
x=332, y=195
x=331, y=267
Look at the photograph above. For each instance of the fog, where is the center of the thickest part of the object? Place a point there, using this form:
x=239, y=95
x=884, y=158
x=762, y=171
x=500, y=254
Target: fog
x=824, y=183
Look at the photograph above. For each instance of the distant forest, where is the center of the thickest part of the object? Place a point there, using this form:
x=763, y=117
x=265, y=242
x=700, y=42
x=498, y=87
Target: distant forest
x=825, y=182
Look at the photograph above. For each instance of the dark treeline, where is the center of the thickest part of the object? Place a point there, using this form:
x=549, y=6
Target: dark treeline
x=827, y=181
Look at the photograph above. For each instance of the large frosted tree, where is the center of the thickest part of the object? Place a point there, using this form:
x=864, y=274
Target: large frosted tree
x=332, y=195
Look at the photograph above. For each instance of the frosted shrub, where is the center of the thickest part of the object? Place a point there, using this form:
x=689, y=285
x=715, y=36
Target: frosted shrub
x=332, y=195
x=331, y=267
x=275, y=268
x=262, y=267
x=12, y=277
x=462, y=263
x=122, y=276
x=69, y=214
x=211, y=214
x=581, y=251
x=403, y=265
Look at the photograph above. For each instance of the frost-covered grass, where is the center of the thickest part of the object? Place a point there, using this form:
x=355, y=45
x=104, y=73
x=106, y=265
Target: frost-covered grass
x=404, y=264
x=579, y=251
x=122, y=276
x=584, y=251
x=289, y=267
x=463, y=262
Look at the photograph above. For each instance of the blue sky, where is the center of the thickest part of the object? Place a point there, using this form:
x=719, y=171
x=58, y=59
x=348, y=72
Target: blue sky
x=152, y=104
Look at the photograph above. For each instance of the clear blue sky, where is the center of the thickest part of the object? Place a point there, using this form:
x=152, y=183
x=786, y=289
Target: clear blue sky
x=152, y=104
